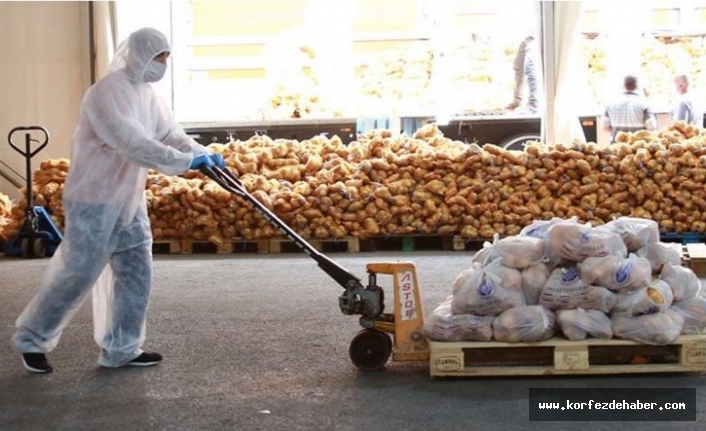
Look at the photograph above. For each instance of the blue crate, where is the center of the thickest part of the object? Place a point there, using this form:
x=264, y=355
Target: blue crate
x=691, y=238
x=684, y=238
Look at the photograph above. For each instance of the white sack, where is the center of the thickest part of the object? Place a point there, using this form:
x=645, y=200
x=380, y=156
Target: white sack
x=657, y=329
x=575, y=242
x=533, y=280
x=659, y=254
x=577, y=324
x=694, y=313
x=482, y=256
x=685, y=284
x=518, y=251
x=598, y=298
x=488, y=290
x=562, y=289
x=635, y=232
x=442, y=325
x=524, y=325
x=655, y=298
x=616, y=273
x=565, y=289
x=539, y=228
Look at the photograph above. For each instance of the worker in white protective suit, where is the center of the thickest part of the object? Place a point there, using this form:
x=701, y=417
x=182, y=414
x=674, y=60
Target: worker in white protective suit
x=124, y=129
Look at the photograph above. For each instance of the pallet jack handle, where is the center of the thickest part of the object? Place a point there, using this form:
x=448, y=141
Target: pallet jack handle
x=28, y=153
x=226, y=179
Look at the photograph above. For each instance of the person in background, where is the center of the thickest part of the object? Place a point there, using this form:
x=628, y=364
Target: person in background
x=630, y=112
x=686, y=108
x=525, y=67
x=124, y=130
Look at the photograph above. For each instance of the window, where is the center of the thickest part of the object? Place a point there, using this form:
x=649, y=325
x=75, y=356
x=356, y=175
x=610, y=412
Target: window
x=279, y=59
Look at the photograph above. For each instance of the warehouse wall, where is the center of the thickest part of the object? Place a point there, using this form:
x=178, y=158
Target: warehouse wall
x=44, y=71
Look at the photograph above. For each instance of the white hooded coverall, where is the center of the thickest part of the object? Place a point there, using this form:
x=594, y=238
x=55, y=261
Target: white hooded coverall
x=124, y=129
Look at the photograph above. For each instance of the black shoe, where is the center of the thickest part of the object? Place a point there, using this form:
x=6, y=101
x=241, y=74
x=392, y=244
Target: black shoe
x=36, y=362
x=146, y=360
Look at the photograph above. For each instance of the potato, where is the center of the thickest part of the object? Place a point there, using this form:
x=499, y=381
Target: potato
x=428, y=184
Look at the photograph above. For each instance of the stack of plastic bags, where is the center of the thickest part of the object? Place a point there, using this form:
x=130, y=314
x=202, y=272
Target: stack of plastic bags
x=560, y=276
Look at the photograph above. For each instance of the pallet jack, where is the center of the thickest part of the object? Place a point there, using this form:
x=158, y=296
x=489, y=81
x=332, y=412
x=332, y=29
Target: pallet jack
x=371, y=348
x=39, y=236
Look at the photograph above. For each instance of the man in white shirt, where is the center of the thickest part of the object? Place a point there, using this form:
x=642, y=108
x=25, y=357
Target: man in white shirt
x=686, y=109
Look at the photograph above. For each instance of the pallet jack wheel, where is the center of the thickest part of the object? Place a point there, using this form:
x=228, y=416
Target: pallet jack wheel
x=370, y=350
x=39, y=247
x=26, y=247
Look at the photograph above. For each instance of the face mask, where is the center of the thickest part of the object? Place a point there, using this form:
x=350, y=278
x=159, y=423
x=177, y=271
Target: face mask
x=155, y=71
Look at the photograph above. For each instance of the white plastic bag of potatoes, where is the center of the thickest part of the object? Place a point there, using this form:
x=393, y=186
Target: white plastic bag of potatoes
x=694, y=313
x=616, y=273
x=565, y=289
x=657, y=329
x=578, y=324
x=533, y=280
x=659, y=254
x=539, y=228
x=562, y=289
x=598, y=298
x=517, y=251
x=487, y=290
x=443, y=325
x=635, y=232
x=483, y=255
x=524, y=325
x=569, y=240
x=685, y=284
x=655, y=298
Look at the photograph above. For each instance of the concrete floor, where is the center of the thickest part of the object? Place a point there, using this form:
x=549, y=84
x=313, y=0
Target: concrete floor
x=257, y=342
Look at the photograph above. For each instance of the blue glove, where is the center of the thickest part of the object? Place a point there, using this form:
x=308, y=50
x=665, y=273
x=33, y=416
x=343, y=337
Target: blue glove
x=217, y=160
x=202, y=160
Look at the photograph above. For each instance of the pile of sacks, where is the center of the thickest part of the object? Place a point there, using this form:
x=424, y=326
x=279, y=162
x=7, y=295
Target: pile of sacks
x=561, y=276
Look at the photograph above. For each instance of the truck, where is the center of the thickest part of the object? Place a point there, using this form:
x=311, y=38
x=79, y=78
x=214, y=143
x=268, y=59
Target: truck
x=507, y=131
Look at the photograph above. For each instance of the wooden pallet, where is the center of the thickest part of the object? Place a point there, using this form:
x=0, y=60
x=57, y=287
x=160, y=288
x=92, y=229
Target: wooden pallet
x=348, y=244
x=412, y=242
x=469, y=244
x=695, y=257
x=561, y=356
x=224, y=247
x=170, y=246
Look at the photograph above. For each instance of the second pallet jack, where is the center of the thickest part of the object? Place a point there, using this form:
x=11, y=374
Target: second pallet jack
x=39, y=236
